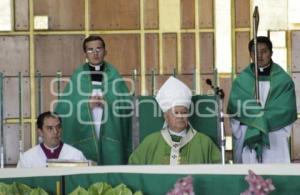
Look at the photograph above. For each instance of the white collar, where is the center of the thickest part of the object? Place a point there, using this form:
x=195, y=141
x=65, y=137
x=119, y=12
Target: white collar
x=261, y=69
x=181, y=133
x=51, y=149
x=97, y=67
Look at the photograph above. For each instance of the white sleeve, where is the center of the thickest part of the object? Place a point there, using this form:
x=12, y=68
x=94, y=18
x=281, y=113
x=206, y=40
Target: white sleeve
x=22, y=162
x=82, y=157
x=238, y=134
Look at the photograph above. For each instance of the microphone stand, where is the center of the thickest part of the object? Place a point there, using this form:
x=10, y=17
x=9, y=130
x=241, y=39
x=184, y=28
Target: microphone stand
x=1, y=122
x=219, y=93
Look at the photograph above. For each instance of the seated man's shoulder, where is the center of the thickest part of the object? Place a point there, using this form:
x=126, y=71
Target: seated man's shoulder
x=153, y=135
x=151, y=138
x=203, y=137
x=32, y=156
x=33, y=151
x=71, y=148
x=200, y=134
x=72, y=153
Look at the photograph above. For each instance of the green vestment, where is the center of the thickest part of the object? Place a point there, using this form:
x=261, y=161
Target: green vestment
x=279, y=110
x=155, y=150
x=114, y=144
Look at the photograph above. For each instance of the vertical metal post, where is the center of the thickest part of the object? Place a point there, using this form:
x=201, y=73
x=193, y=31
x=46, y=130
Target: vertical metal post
x=221, y=126
x=134, y=78
x=21, y=121
x=39, y=83
x=216, y=78
x=220, y=115
x=58, y=76
x=1, y=118
x=58, y=188
x=135, y=122
x=174, y=72
x=153, y=86
x=194, y=82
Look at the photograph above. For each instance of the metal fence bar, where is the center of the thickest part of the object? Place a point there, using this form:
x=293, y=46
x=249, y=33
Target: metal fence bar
x=135, y=122
x=2, y=119
x=39, y=91
x=58, y=76
x=21, y=117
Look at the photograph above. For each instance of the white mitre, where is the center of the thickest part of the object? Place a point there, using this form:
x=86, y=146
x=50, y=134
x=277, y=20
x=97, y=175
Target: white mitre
x=173, y=93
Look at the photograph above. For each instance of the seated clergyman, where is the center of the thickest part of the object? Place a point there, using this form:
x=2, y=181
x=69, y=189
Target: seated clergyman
x=177, y=142
x=49, y=129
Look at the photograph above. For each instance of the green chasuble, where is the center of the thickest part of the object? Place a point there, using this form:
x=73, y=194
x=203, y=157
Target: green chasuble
x=154, y=149
x=279, y=110
x=114, y=144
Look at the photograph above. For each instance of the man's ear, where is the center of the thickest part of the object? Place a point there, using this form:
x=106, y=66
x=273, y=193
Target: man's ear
x=40, y=132
x=166, y=115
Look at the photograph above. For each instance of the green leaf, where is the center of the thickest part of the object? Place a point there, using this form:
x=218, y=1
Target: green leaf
x=20, y=189
x=138, y=193
x=4, y=188
x=99, y=188
x=38, y=191
x=120, y=189
x=79, y=191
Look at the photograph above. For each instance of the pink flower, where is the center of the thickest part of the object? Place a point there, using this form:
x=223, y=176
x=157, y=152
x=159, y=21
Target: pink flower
x=257, y=185
x=183, y=186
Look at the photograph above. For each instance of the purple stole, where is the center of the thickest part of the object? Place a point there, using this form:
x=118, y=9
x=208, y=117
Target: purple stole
x=52, y=155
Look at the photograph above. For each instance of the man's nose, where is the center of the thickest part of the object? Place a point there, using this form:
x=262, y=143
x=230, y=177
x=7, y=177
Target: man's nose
x=259, y=54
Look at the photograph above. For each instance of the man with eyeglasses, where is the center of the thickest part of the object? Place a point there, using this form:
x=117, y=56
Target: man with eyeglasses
x=261, y=131
x=49, y=129
x=95, y=108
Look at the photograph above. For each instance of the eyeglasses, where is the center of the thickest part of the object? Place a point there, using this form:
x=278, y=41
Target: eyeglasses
x=51, y=129
x=96, y=50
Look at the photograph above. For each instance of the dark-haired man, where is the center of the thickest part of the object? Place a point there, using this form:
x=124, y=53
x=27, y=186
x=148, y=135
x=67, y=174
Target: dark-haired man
x=49, y=129
x=261, y=130
x=95, y=107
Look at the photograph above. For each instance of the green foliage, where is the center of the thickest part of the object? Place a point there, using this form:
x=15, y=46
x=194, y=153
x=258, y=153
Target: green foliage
x=120, y=189
x=99, y=188
x=38, y=191
x=138, y=193
x=103, y=188
x=4, y=188
x=79, y=191
x=20, y=189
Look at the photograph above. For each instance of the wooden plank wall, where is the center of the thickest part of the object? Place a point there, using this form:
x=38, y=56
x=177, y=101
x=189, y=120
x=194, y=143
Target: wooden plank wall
x=295, y=62
x=242, y=34
x=63, y=15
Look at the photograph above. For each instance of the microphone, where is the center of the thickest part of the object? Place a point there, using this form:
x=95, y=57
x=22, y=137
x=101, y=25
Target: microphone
x=208, y=81
x=217, y=90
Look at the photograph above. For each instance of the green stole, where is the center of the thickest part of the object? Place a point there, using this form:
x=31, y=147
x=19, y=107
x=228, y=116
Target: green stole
x=114, y=144
x=280, y=109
